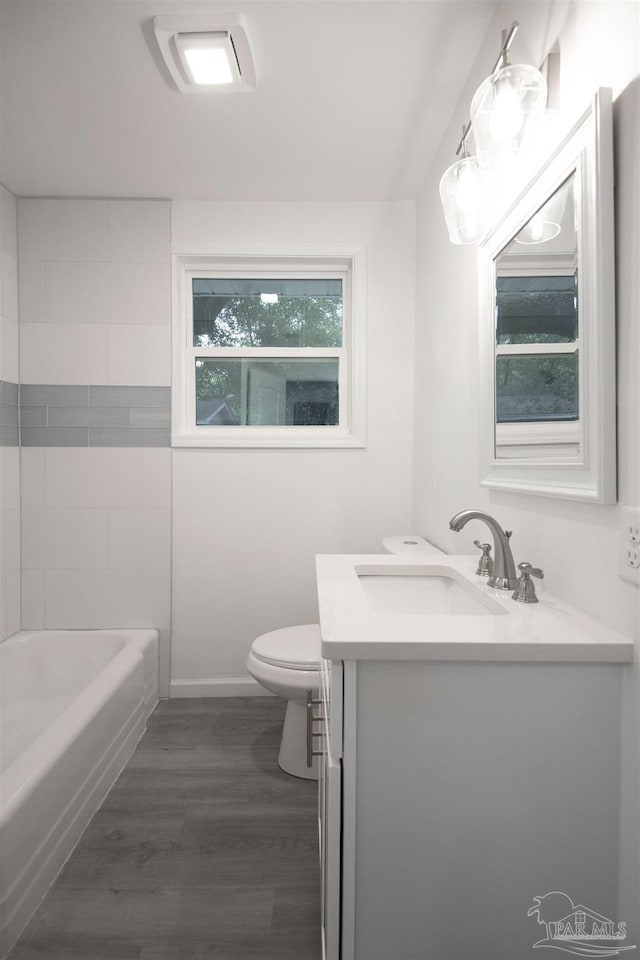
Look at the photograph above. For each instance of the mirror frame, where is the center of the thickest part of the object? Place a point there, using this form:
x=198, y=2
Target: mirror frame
x=586, y=152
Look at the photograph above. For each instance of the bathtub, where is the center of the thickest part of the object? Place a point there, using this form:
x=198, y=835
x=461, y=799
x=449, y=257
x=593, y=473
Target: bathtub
x=73, y=706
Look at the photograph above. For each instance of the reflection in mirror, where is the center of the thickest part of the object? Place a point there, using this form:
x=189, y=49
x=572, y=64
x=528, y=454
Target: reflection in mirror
x=547, y=314
x=537, y=331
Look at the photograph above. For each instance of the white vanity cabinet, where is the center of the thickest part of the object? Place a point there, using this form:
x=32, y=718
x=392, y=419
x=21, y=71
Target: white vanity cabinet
x=457, y=789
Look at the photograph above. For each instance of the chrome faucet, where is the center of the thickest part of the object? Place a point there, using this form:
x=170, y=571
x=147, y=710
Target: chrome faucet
x=504, y=575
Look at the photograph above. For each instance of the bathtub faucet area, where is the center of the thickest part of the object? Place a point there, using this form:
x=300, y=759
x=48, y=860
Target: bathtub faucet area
x=504, y=575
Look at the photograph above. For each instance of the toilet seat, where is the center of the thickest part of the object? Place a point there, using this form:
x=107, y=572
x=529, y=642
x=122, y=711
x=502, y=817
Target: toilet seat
x=294, y=648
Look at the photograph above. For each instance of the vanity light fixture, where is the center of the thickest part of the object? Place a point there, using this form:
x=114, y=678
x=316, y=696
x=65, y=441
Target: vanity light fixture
x=463, y=199
x=205, y=54
x=506, y=113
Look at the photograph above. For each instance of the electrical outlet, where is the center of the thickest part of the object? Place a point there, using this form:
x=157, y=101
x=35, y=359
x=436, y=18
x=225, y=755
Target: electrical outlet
x=632, y=557
x=630, y=544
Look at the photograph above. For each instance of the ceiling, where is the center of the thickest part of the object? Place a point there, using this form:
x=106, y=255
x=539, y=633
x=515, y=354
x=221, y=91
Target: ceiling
x=353, y=99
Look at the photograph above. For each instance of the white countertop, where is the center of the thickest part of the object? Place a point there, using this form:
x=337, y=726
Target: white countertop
x=548, y=631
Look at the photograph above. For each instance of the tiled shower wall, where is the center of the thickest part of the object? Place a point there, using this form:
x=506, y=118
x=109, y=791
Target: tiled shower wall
x=9, y=451
x=95, y=362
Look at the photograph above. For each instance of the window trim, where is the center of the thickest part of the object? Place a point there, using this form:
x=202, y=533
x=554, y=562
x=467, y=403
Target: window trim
x=210, y=259
x=563, y=439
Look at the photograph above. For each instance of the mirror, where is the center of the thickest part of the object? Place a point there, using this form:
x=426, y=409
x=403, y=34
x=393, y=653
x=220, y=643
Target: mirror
x=547, y=326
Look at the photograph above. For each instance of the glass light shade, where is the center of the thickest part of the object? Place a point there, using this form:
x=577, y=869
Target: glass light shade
x=547, y=223
x=507, y=112
x=464, y=201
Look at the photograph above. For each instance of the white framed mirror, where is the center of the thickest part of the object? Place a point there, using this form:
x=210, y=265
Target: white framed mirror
x=547, y=325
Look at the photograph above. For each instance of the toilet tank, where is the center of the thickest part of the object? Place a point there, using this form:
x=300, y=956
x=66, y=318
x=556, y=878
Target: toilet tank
x=411, y=545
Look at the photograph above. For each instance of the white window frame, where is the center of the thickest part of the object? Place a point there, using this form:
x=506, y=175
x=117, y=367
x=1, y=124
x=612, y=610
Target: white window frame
x=561, y=438
x=217, y=260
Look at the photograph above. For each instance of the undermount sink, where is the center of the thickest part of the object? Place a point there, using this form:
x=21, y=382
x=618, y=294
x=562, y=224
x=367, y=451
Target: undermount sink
x=425, y=590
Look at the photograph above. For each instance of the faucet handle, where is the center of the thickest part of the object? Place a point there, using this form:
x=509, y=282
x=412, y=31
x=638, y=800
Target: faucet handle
x=525, y=592
x=485, y=563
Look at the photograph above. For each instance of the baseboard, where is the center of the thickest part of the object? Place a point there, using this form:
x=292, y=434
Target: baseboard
x=217, y=687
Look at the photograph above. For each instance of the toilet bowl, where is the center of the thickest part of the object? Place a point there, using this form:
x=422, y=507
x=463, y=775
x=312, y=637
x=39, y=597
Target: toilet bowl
x=287, y=662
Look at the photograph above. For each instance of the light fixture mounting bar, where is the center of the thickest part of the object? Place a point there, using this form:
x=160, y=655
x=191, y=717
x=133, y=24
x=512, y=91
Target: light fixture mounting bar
x=507, y=39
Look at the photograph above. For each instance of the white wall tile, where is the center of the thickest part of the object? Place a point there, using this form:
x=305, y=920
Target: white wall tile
x=63, y=353
x=9, y=540
x=32, y=460
x=63, y=229
x=139, y=354
x=115, y=478
x=56, y=539
x=10, y=466
x=76, y=292
x=33, y=599
x=32, y=287
x=139, y=230
x=140, y=539
x=139, y=293
x=106, y=598
x=9, y=350
x=12, y=602
x=9, y=286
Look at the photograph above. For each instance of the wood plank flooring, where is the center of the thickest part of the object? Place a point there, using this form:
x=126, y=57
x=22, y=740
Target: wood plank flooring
x=203, y=849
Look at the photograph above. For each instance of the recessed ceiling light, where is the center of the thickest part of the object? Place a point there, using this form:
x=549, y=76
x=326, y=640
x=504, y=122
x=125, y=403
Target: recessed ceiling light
x=204, y=54
x=209, y=58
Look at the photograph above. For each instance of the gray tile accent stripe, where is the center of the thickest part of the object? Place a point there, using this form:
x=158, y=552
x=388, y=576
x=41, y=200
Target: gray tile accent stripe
x=9, y=429
x=95, y=416
x=9, y=436
x=36, y=395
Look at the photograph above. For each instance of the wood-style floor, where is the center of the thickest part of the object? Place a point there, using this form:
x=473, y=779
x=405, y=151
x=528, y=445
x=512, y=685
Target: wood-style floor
x=204, y=848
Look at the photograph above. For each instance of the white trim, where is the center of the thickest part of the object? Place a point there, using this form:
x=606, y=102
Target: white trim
x=587, y=153
x=217, y=687
x=209, y=259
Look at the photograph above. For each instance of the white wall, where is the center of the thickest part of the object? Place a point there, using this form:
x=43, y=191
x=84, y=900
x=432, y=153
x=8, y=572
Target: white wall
x=247, y=523
x=576, y=544
x=95, y=310
x=9, y=455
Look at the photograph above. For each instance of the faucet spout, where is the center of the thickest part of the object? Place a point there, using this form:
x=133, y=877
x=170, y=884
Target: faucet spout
x=504, y=570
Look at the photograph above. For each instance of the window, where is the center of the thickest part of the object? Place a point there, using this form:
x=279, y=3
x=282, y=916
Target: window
x=268, y=352
x=537, y=348
x=537, y=358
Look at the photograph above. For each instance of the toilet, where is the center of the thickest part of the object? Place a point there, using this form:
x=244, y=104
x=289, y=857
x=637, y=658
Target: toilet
x=287, y=662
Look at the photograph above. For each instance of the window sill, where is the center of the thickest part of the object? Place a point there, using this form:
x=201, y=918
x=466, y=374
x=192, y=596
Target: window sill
x=267, y=438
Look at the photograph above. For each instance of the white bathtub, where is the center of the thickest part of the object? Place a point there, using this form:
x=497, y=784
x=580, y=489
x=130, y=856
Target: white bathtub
x=73, y=706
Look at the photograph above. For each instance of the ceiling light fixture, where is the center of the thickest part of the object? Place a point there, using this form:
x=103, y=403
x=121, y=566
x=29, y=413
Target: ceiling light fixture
x=208, y=58
x=206, y=54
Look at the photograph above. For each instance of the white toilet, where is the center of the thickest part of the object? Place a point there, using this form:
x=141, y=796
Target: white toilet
x=287, y=662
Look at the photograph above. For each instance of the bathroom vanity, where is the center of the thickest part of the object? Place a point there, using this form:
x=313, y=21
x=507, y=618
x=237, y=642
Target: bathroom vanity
x=470, y=761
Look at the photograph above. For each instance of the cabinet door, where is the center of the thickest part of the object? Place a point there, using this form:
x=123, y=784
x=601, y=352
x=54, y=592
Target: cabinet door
x=330, y=829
